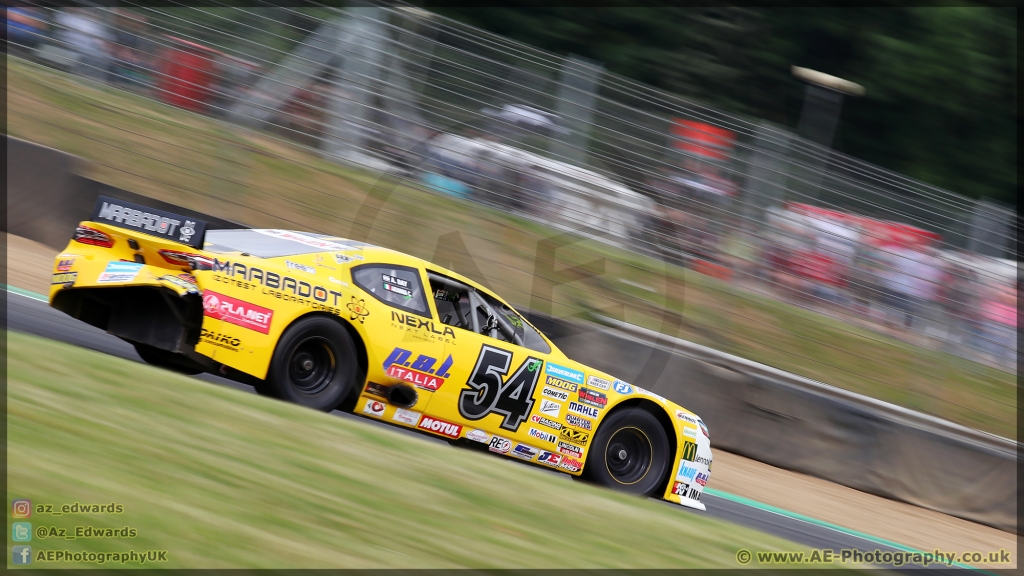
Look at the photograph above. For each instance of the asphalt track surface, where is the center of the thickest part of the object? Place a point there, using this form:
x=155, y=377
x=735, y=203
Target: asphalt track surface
x=27, y=314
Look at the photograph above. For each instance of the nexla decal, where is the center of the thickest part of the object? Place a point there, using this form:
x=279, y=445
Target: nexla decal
x=275, y=281
x=416, y=322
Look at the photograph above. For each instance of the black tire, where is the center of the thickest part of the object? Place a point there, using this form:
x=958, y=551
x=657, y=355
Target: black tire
x=315, y=364
x=630, y=453
x=167, y=360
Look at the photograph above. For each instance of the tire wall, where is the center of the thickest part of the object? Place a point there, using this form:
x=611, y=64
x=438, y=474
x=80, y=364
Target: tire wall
x=752, y=410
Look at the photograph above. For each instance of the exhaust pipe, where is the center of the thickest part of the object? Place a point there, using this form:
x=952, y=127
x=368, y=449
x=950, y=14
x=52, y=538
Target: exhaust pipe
x=403, y=396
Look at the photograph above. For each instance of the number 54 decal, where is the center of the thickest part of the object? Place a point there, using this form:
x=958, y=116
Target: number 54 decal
x=488, y=393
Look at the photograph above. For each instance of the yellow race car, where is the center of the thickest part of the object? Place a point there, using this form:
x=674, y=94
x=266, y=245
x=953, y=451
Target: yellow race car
x=331, y=323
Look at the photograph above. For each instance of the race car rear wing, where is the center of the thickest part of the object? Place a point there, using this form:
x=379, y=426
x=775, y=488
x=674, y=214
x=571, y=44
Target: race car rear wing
x=176, y=224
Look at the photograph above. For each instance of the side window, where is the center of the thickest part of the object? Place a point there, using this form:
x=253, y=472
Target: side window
x=465, y=307
x=397, y=286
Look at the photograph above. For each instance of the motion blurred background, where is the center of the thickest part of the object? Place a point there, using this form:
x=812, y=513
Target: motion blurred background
x=858, y=232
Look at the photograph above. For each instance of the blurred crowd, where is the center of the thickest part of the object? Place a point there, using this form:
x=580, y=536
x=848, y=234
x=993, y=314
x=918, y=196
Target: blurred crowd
x=886, y=275
x=121, y=48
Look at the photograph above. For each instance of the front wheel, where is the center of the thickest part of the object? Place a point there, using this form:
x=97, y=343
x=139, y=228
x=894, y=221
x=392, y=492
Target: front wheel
x=630, y=453
x=315, y=364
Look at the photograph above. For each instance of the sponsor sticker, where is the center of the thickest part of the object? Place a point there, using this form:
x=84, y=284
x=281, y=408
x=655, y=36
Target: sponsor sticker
x=374, y=408
x=564, y=373
x=560, y=395
x=65, y=265
x=691, y=432
x=65, y=278
x=302, y=267
x=704, y=429
x=686, y=472
x=219, y=340
x=588, y=411
x=357, y=309
x=396, y=285
x=598, y=382
x=559, y=383
x=543, y=435
x=701, y=478
x=524, y=451
x=703, y=460
x=440, y=427
x=346, y=258
x=549, y=458
x=150, y=221
x=573, y=420
x=187, y=230
x=680, y=488
x=570, y=464
x=550, y=408
x=686, y=417
x=684, y=490
x=689, y=450
x=478, y=436
x=318, y=259
x=119, y=272
x=237, y=312
x=499, y=445
x=570, y=450
x=574, y=436
x=596, y=399
x=545, y=422
x=376, y=389
x=623, y=387
x=419, y=372
x=406, y=417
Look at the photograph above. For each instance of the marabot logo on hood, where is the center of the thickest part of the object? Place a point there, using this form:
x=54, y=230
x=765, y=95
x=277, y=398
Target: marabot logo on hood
x=237, y=312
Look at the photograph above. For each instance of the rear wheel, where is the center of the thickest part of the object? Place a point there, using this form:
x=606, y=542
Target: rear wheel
x=629, y=453
x=167, y=360
x=315, y=364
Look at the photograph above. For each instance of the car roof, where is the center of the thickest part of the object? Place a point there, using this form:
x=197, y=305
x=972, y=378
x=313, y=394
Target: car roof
x=272, y=243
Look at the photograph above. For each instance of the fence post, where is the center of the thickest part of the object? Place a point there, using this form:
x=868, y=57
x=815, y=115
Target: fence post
x=989, y=229
x=574, y=104
x=349, y=106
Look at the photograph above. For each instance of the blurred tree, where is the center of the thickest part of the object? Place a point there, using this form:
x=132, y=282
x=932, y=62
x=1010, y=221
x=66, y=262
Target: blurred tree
x=941, y=82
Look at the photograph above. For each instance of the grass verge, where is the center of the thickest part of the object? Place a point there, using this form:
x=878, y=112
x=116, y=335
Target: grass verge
x=224, y=479
x=187, y=159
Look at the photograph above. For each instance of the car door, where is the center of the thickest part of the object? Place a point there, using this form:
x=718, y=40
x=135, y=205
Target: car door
x=496, y=377
x=406, y=348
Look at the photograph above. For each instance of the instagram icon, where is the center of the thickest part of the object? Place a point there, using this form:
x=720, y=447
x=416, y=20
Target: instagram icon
x=21, y=508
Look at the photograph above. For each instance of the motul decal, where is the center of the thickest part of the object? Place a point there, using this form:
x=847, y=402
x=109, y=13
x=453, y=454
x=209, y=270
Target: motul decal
x=440, y=427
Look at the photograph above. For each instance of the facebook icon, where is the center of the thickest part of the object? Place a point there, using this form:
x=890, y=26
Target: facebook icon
x=22, y=555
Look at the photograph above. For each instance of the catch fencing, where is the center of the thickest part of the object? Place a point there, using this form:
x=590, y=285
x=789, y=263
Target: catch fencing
x=755, y=208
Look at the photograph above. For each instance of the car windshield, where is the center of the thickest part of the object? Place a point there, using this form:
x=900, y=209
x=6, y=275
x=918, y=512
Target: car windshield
x=274, y=243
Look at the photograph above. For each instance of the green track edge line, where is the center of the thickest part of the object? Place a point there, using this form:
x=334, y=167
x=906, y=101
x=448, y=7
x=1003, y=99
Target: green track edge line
x=718, y=493
x=795, y=516
x=26, y=293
